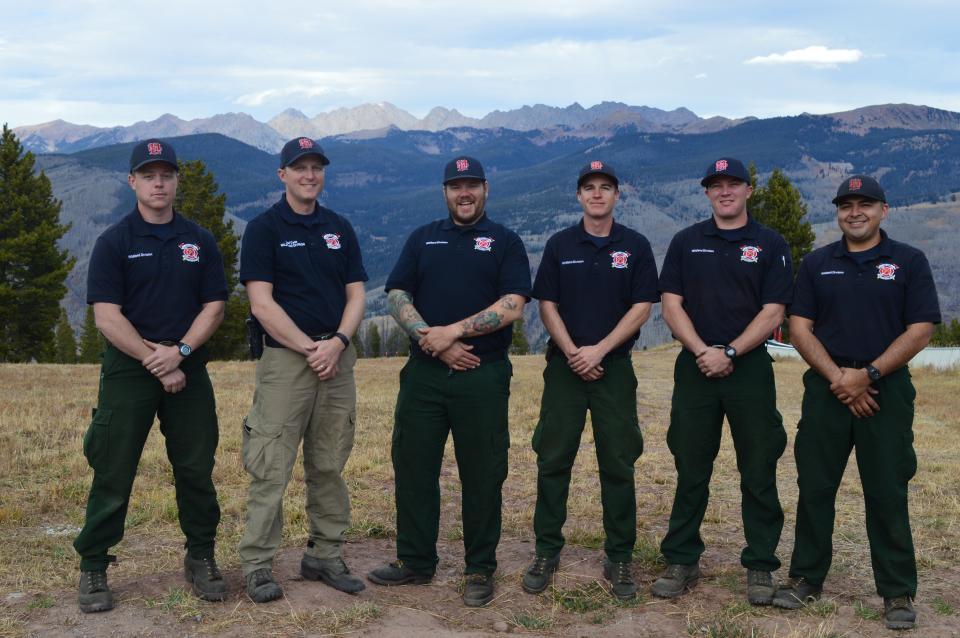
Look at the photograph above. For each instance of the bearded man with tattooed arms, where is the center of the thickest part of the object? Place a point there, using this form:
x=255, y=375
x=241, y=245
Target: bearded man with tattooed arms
x=459, y=284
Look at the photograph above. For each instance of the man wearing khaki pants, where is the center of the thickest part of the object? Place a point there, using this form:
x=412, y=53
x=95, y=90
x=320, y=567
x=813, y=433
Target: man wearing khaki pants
x=304, y=275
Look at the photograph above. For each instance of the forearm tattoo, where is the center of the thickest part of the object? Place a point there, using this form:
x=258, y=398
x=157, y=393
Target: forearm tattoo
x=508, y=302
x=400, y=303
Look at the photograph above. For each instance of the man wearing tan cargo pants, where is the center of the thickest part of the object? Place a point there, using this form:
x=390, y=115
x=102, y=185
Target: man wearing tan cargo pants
x=304, y=275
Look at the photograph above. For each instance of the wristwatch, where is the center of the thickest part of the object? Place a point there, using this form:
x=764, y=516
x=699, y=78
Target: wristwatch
x=343, y=339
x=872, y=372
x=184, y=348
x=730, y=351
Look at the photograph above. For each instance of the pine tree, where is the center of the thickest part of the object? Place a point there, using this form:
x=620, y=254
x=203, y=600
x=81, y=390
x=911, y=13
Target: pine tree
x=197, y=199
x=358, y=344
x=778, y=204
x=519, y=343
x=373, y=336
x=65, y=346
x=399, y=343
x=92, y=342
x=32, y=268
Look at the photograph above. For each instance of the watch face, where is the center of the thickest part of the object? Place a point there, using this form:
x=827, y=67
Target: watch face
x=730, y=351
x=185, y=350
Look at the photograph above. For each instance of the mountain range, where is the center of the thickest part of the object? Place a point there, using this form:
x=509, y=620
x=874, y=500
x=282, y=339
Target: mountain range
x=387, y=181
x=59, y=136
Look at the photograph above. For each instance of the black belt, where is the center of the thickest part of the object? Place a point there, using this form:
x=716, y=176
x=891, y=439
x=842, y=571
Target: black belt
x=487, y=357
x=844, y=362
x=273, y=343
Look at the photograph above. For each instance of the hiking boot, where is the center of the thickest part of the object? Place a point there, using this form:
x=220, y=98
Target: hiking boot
x=796, y=593
x=332, y=571
x=898, y=613
x=477, y=589
x=760, y=587
x=261, y=587
x=396, y=573
x=675, y=580
x=95, y=594
x=204, y=575
x=621, y=580
x=538, y=575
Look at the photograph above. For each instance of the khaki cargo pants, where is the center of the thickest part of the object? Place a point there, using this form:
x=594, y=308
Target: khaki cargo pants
x=291, y=405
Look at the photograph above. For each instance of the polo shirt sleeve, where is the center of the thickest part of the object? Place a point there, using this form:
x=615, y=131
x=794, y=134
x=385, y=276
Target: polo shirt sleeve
x=105, y=273
x=546, y=286
x=355, y=269
x=804, y=302
x=671, y=275
x=778, y=280
x=921, y=303
x=515, y=269
x=645, y=275
x=404, y=273
x=214, y=284
x=257, y=252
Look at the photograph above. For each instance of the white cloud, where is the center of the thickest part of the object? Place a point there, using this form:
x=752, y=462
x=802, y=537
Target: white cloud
x=817, y=56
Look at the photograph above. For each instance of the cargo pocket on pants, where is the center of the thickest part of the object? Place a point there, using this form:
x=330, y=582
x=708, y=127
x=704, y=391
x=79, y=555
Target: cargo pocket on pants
x=262, y=450
x=96, y=440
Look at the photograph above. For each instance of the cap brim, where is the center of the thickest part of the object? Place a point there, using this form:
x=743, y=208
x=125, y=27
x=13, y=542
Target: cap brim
x=323, y=158
x=586, y=176
x=840, y=198
x=152, y=161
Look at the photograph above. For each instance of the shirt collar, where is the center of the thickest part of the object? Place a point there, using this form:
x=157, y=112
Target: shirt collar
x=316, y=218
x=750, y=231
x=145, y=229
x=885, y=246
x=483, y=224
x=616, y=233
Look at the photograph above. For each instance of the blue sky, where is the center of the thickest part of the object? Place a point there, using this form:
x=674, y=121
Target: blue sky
x=109, y=63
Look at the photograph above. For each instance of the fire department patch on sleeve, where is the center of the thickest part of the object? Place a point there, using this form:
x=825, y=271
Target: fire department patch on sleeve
x=191, y=252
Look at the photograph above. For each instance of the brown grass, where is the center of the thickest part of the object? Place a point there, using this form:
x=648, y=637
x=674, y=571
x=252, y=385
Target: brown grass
x=44, y=480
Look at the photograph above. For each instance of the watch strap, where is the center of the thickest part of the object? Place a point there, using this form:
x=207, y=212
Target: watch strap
x=343, y=339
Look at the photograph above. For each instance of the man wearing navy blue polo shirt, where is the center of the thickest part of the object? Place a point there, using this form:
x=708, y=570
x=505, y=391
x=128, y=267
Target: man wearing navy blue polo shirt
x=304, y=275
x=157, y=287
x=457, y=287
x=596, y=283
x=724, y=285
x=863, y=307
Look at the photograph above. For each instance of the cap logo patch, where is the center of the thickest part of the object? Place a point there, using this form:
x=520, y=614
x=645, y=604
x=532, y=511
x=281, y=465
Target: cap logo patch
x=596, y=166
x=484, y=244
x=306, y=142
x=887, y=272
x=750, y=254
x=855, y=184
x=462, y=165
x=333, y=241
x=721, y=165
x=191, y=252
x=621, y=259
x=154, y=148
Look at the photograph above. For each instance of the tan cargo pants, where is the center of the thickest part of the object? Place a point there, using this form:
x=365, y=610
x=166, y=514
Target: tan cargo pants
x=291, y=405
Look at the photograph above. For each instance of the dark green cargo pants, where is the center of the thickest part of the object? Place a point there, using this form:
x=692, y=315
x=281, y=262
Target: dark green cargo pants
x=612, y=401
x=129, y=398
x=433, y=401
x=748, y=398
x=886, y=462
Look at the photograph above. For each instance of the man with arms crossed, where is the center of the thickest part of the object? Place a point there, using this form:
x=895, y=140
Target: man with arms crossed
x=304, y=275
x=596, y=284
x=725, y=282
x=158, y=290
x=863, y=307
x=458, y=285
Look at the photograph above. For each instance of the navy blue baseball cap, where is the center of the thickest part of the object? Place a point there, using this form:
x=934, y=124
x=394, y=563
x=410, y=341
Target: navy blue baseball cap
x=596, y=167
x=152, y=150
x=463, y=167
x=297, y=148
x=860, y=186
x=728, y=166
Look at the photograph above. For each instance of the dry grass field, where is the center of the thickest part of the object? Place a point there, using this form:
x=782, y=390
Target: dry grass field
x=44, y=480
